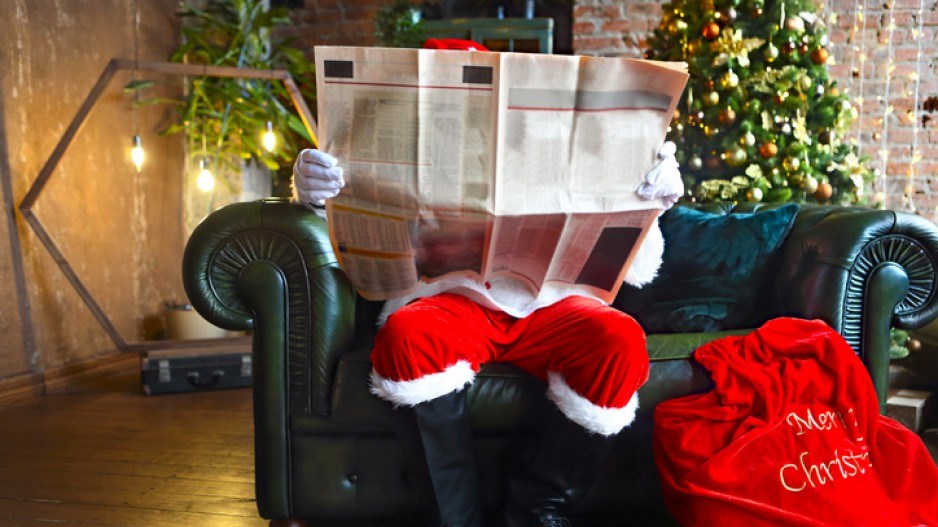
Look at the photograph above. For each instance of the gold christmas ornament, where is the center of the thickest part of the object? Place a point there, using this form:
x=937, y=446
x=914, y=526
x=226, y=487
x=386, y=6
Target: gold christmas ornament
x=727, y=117
x=824, y=191
x=820, y=56
x=794, y=23
x=681, y=26
x=729, y=80
x=770, y=53
x=810, y=184
x=789, y=47
x=754, y=194
x=768, y=150
x=913, y=345
x=735, y=156
x=711, y=98
x=695, y=163
x=806, y=82
x=791, y=164
x=747, y=139
x=710, y=31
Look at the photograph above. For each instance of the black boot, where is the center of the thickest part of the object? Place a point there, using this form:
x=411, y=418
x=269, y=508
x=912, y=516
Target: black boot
x=567, y=462
x=438, y=443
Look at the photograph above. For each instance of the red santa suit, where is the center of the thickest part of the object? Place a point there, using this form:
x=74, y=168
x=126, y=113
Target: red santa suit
x=591, y=355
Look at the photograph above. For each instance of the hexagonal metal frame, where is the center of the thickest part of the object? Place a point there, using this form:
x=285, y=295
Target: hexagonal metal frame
x=113, y=66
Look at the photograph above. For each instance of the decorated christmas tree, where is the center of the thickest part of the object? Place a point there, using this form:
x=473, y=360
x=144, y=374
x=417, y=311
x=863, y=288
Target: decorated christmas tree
x=761, y=119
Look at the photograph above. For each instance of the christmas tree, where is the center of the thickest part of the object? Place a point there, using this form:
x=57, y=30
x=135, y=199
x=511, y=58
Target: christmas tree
x=760, y=120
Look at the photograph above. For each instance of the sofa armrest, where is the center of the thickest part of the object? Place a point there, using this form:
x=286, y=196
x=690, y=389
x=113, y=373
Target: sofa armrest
x=268, y=266
x=862, y=271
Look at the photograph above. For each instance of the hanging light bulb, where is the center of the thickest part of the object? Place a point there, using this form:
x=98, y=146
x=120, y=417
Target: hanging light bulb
x=205, y=180
x=136, y=153
x=269, y=139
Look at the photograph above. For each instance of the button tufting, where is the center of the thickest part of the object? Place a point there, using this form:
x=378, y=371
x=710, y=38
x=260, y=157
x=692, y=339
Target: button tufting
x=353, y=478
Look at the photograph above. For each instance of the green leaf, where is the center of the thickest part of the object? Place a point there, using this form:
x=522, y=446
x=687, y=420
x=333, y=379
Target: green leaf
x=137, y=84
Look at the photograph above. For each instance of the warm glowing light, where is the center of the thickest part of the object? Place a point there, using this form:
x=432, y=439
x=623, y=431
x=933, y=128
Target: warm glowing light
x=205, y=180
x=269, y=139
x=136, y=153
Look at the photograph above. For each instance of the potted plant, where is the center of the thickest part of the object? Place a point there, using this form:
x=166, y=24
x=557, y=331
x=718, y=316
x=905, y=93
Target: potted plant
x=226, y=122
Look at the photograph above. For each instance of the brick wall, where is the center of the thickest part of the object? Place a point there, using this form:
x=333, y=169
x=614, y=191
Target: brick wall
x=335, y=22
x=621, y=28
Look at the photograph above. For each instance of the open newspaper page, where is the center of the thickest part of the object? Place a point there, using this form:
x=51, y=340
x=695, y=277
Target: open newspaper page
x=490, y=163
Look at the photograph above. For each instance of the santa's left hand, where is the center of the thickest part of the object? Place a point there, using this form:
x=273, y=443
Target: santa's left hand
x=663, y=182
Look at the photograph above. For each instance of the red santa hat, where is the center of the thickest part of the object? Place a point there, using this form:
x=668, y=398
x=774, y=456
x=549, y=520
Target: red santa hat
x=453, y=43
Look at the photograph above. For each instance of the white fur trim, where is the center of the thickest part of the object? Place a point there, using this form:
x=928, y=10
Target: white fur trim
x=645, y=266
x=596, y=419
x=423, y=389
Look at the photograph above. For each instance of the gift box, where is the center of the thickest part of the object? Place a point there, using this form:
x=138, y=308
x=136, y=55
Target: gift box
x=909, y=407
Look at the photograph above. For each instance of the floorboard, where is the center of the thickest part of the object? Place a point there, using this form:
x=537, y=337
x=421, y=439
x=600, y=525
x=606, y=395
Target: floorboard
x=104, y=454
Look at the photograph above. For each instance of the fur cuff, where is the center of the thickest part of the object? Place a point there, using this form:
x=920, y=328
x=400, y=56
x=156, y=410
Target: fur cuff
x=423, y=389
x=645, y=266
x=596, y=419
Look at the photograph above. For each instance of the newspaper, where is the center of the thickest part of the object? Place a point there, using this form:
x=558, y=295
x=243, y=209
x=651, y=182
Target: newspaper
x=483, y=164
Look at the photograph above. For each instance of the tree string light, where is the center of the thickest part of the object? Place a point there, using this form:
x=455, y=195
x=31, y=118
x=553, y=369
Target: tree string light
x=888, y=109
x=917, y=78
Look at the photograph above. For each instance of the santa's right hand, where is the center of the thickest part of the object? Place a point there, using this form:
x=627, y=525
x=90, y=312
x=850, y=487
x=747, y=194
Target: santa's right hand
x=316, y=177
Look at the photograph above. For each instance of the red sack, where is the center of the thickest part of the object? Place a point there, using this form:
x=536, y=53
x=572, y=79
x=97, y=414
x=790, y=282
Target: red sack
x=790, y=436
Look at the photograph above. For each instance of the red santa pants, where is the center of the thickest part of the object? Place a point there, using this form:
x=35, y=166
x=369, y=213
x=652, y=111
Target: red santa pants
x=592, y=356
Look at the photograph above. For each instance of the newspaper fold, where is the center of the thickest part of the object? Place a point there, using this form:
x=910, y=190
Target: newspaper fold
x=490, y=163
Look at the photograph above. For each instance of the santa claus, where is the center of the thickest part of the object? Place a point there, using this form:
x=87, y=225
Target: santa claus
x=432, y=343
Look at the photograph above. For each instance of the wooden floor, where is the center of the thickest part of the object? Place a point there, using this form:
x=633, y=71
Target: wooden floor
x=105, y=454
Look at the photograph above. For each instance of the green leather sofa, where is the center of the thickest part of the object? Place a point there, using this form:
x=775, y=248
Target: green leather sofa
x=325, y=450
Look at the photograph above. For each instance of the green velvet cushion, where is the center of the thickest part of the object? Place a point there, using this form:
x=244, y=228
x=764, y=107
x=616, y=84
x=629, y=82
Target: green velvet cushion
x=714, y=272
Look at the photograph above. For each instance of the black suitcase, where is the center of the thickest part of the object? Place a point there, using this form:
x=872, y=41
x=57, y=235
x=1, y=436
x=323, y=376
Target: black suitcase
x=195, y=369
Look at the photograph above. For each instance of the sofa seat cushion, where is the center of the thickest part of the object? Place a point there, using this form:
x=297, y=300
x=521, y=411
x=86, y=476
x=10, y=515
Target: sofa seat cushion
x=504, y=399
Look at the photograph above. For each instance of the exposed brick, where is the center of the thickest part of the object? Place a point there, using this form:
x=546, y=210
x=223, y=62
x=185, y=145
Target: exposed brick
x=622, y=26
x=585, y=26
x=583, y=11
x=644, y=9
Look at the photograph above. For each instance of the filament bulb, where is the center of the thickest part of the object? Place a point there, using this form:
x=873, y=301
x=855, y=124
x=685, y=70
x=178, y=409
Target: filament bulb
x=269, y=139
x=136, y=153
x=205, y=180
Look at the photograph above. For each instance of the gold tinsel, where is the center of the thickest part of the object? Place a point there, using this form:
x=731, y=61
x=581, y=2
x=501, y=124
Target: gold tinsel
x=731, y=44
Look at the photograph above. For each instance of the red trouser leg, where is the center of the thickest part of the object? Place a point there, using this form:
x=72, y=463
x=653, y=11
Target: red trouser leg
x=592, y=356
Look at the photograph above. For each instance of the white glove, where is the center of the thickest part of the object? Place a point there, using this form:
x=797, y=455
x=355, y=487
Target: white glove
x=316, y=178
x=663, y=182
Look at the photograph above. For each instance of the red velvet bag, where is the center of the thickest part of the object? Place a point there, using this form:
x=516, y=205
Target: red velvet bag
x=790, y=436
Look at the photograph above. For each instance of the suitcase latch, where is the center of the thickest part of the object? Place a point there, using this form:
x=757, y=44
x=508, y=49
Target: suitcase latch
x=164, y=374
